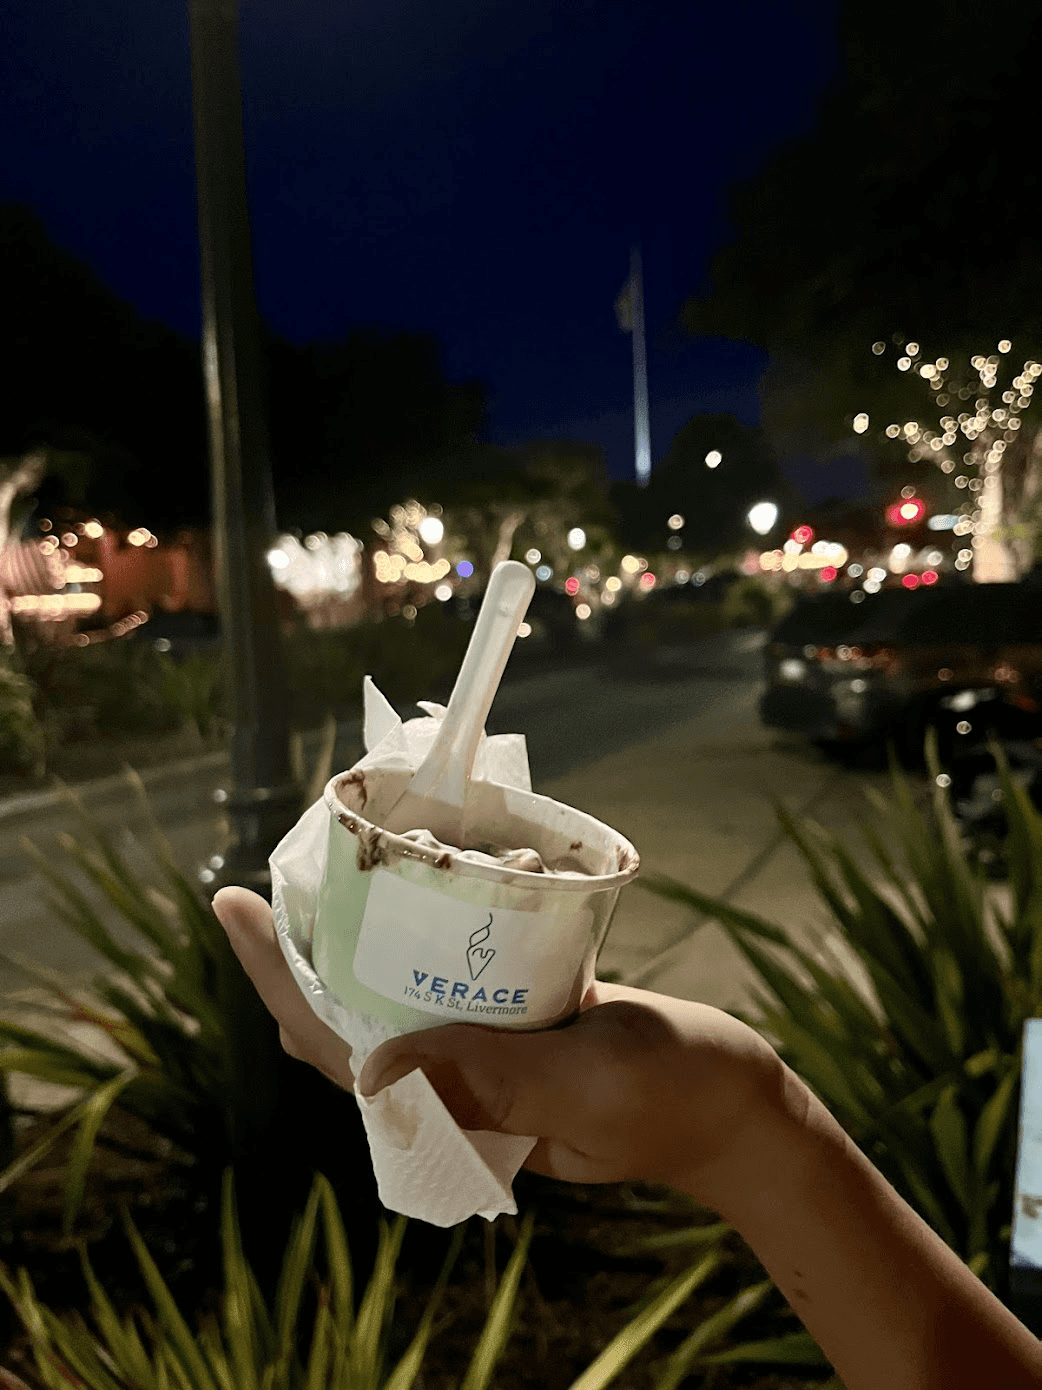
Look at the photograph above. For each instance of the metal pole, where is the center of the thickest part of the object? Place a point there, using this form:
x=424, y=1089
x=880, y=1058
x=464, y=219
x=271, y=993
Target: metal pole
x=263, y=801
x=641, y=425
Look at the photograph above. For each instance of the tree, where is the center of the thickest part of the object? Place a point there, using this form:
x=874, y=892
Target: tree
x=988, y=449
x=913, y=205
x=712, y=500
x=508, y=501
x=359, y=423
x=115, y=402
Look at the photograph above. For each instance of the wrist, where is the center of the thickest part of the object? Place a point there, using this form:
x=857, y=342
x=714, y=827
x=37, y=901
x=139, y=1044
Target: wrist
x=769, y=1156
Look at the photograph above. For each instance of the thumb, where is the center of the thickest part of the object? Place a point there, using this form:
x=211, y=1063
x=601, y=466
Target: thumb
x=487, y=1078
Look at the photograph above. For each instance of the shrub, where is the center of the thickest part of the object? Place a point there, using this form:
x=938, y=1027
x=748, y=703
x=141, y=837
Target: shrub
x=918, y=1051
x=408, y=661
x=310, y=1336
x=187, y=1048
x=755, y=602
x=22, y=740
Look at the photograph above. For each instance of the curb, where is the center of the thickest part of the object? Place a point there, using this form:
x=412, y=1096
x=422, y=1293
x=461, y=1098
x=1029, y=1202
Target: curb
x=29, y=803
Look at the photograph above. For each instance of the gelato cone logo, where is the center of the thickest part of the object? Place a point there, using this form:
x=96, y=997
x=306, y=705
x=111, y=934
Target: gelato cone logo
x=478, y=956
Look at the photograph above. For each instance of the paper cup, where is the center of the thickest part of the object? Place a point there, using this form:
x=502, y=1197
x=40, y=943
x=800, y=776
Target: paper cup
x=416, y=937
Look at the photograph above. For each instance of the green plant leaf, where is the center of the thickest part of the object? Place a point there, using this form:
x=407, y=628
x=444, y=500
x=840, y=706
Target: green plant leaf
x=496, y=1332
x=338, y=1258
x=948, y=1128
x=377, y=1304
x=626, y=1343
x=295, y=1265
x=674, y=1240
x=181, y=1340
x=240, y=1332
x=404, y=1375
x=122, y=1341
x=665, y=887
x=710, y=1331
x=791, y=1349
x=95, y=1108
x=992, y=1120
x=949, y=997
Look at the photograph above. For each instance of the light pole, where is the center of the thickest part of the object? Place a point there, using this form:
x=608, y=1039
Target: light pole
x=263, y=801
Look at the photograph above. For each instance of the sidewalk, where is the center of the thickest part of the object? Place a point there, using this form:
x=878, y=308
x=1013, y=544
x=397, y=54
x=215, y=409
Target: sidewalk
x=695, y=799
x=697, y=805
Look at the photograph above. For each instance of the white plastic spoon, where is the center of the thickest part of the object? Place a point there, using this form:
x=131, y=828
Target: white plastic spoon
x=435, y=796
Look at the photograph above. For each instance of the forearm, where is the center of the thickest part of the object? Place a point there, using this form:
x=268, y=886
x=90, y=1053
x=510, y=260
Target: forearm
x=890, y=1305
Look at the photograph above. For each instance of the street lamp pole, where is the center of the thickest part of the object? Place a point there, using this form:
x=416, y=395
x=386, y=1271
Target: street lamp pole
x=263, y=801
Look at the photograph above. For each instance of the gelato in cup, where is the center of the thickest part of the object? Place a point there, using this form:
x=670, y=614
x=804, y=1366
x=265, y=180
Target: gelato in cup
x=413, y=933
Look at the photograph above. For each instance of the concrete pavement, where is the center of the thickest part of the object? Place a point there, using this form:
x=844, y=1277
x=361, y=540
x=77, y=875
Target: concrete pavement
x=694, y=796
x=696, y=800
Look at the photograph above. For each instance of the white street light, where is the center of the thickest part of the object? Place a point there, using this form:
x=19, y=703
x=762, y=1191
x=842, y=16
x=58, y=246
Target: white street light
x=431, y=530
x=762, y=517
x=713, y=458
x=576, y=538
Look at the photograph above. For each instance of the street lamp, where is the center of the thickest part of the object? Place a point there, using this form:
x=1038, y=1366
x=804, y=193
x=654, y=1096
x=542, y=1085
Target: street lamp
x=762, y=517
x=264, y=800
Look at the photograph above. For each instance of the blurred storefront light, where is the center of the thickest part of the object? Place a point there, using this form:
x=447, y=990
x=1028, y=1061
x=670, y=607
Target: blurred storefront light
x=328, y=566
x=543, y=573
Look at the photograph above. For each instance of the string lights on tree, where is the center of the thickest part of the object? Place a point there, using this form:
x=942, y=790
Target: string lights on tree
x=985, y=445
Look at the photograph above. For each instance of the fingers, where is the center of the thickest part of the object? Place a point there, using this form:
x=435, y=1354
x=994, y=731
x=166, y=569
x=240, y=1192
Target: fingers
x=247, y=921
x=491, y=1079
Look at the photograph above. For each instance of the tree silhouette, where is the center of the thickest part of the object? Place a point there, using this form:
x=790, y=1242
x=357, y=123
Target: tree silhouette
x=912, y=208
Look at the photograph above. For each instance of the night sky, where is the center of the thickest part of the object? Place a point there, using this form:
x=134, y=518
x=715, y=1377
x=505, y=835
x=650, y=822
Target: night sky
x=465, y=167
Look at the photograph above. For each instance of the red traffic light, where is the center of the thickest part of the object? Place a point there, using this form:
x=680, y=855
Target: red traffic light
x=803, y=535
x=906, y=512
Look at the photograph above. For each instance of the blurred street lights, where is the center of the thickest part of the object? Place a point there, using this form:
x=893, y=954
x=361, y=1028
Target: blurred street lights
x=762, y=516
x=263, y=801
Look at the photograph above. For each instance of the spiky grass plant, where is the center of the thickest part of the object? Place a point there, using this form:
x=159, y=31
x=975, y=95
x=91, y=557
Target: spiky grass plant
x=172, y=1034
x=918, y=1051
x=311, y=1337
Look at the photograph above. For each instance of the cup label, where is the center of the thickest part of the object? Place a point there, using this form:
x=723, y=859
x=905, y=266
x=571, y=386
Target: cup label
x=464, y=962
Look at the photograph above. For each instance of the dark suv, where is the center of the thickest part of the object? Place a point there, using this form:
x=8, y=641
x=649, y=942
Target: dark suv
x=901, y=660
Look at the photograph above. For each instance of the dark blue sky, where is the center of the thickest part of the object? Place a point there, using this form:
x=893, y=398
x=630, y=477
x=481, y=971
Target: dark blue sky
x=474, y=169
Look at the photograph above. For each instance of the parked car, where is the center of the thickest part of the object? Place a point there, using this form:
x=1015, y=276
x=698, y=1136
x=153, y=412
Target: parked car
x=961, y=658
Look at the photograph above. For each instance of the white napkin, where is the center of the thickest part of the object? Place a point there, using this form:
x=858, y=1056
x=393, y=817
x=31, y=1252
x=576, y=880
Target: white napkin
x=425, y=1165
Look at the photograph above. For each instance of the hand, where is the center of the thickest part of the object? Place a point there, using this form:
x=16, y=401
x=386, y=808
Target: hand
x=639, y=1087
x=250, y=928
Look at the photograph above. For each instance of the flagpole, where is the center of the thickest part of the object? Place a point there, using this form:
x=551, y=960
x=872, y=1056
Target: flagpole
x=641, y=424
